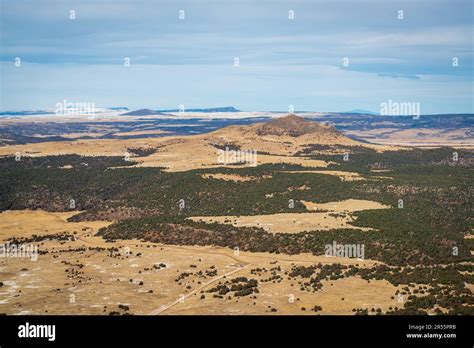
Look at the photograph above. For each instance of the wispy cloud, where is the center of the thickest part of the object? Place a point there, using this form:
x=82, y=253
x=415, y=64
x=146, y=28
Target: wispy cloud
x=272, y=49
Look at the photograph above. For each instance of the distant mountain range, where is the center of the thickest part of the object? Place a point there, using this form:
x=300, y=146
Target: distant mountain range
x=118, y=108
x=25, y=113
x=219, y=109
x=144, y=112
x=361, y=111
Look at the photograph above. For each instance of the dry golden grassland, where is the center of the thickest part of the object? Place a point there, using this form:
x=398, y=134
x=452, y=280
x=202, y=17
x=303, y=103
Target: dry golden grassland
x=300, y=222
x=72, y=280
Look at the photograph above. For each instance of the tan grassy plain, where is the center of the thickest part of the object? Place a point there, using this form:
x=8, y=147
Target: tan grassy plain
x=286, y=222
x=43, y=286
x=300, y=222
x=21, y=223
x=174, y=153
x=344, y=176
x=230, y=177
x=338, y=297
x=348, y=205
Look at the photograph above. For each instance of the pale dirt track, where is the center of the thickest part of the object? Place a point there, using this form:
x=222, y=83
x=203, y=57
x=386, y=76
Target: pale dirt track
x=182, y=299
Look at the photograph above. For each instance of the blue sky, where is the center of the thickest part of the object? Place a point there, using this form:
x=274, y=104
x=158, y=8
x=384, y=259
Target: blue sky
x=282, y=61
